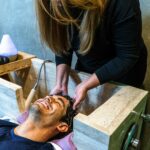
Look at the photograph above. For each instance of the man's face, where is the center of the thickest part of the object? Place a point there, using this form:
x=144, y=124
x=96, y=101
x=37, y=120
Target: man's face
x=49, y=110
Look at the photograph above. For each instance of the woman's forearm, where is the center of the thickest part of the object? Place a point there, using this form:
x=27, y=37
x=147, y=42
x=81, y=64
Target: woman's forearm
x=82, y=89
x=91, y=82
x=62, y=75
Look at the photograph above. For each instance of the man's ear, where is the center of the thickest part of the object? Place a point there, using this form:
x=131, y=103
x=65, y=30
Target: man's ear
x=62, y=127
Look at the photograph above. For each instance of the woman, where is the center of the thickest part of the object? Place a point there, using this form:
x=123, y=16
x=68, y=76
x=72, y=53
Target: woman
x=104, y=34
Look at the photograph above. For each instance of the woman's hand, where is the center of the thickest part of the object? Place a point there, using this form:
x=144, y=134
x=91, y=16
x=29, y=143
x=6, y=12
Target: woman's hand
x=82, y=88
x=80, y=94
x=60, y=89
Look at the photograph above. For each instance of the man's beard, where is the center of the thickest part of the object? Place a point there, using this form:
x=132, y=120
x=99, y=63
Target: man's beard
x=34, y=113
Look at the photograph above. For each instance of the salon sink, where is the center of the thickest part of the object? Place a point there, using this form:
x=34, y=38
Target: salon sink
x=110, y=118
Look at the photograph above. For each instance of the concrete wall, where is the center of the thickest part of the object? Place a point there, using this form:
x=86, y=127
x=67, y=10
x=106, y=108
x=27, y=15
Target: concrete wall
x=145, y=6
x=17, y=18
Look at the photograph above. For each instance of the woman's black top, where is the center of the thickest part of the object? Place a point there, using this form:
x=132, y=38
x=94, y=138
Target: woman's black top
x=118, y=52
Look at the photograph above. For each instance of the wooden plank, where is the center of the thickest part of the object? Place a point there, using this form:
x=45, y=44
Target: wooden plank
x=23, y=61
x=11, y=99
x=122, y=130
x=111, y=120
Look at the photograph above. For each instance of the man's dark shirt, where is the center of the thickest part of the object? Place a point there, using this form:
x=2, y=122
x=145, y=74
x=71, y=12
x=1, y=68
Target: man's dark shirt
x=118, y=52
x=10, y=141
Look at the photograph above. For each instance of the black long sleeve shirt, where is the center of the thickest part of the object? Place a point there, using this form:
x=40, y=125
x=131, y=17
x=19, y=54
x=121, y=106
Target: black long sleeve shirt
x=118, y=52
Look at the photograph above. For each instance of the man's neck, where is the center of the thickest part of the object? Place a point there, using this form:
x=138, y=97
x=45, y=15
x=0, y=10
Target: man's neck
x=30, y=131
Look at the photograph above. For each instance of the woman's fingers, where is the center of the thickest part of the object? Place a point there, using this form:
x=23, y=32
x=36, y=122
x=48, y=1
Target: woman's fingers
x=56, y=91
x=76, y=104
x=59, y=90
x=78, y=99
x=80, y=94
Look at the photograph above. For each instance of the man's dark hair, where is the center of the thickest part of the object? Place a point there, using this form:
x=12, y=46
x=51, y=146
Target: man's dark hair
x=70, y=113
x=68, y=118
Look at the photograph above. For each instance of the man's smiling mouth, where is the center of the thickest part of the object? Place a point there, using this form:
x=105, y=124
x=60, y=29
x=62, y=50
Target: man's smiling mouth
x=45, y=104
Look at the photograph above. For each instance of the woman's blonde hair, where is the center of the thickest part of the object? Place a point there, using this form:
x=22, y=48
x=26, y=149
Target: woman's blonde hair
x=56, y=20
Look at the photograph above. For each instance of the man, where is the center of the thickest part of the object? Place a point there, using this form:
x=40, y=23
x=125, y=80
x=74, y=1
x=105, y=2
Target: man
x=47, y=118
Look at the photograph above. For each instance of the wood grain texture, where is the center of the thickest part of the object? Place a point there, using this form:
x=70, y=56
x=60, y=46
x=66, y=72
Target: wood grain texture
x=11, y=98
x=23, y=61
x=112, y=120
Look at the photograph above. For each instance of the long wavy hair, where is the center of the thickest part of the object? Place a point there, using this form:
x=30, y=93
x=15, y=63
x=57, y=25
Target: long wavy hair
x=56, y=21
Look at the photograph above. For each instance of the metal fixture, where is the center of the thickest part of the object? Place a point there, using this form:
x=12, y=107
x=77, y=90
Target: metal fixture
x=135, y=143
x=131, y=138
x=33, y=90
x=146, y=117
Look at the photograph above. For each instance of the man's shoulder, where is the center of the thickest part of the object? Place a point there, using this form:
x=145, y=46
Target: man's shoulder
x=4, y=123
x=10, y=145
x=24, y=144
x=5, y=128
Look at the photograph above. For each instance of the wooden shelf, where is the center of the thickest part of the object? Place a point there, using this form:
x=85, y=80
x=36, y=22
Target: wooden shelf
x=23, y=61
